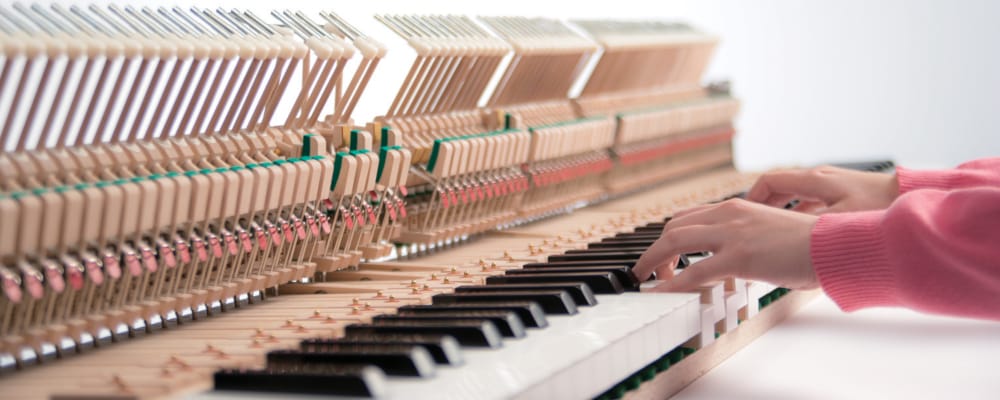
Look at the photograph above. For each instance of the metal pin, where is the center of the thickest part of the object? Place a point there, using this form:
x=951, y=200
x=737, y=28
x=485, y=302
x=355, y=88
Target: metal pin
x=225, y=19
x=298, y=30
x=114, y=24
x=163, y=25
x=18, y=24
x=142, y=19
x=207, y=19
x=243, y=22
x=34, y=18
x=258, y=22
x=178, y=24
x=310, y=24
x=193, y=24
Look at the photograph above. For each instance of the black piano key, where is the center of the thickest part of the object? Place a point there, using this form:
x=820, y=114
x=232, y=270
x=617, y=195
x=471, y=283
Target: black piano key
x=631, y=249
x=587, y=263
x=634, y=246
x=638, y=238
x=600, y=282
x=475, y=333
x=622, y=243
x=683, y=262
x=443, y=348
x=343, y=380
x=872, y=166
x=654, y=229
x=631, y=255
x=393, y=359
x=552, y=301
x=633, y=236
x=584, y=261
x=581, y=293
x=506, y=321
x=650, y=238
x=622, y=273
x=530, y=313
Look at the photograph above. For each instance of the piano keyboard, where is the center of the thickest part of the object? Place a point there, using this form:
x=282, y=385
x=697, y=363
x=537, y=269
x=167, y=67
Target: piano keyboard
x=576, y=356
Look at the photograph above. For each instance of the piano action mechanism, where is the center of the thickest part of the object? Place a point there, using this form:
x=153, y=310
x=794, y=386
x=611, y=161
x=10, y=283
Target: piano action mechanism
x=177, y=215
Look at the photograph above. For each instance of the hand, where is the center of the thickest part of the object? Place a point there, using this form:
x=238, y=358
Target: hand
x=826, y=189
x=748, y=240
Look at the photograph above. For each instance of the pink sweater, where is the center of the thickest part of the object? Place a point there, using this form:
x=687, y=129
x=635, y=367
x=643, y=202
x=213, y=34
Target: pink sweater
x=935, y=249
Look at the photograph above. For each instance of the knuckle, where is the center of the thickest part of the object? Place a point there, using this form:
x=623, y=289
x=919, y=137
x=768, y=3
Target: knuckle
x=734, y=205
x=821, y=170
x=669, y=226
x=669, y=237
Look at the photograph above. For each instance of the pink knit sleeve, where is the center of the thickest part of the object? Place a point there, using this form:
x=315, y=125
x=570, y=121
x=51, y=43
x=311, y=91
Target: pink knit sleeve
x=934, y=251
x=982, y=172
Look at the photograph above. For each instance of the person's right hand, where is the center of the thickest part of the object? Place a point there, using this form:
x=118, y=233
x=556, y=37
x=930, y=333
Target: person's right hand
x=826, y=189
x=747, y=240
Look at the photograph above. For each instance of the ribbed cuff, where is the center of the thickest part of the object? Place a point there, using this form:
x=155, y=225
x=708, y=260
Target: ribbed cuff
x=849, y=255
x=911, y=179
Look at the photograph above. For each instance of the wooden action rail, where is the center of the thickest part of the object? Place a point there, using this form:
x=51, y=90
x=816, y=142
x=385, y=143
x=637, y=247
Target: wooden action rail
x=120, y=221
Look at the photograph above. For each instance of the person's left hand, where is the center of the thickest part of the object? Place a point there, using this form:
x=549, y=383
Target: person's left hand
x=748, y=240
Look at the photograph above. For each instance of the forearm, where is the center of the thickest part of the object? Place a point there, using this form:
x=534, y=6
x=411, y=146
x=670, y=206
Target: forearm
x=977, y=173
x=931, y=250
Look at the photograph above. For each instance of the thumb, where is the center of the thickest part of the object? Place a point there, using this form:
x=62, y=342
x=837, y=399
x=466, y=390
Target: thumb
x=775, y=188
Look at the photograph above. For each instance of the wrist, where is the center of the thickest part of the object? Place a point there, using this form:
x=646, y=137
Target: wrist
x=849, y=257
x=892, y=189
x=908, y=180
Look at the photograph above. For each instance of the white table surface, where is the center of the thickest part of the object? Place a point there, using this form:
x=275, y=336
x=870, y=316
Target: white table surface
x=824, y=353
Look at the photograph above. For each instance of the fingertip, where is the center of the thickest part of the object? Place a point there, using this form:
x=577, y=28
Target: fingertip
x=761, y=188
x=640, y=269
x=757, y=193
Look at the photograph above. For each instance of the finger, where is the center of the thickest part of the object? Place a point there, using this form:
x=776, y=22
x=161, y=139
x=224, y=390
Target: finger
x=692, y=210
x=673, y=242
x=665, y=271
x=650, y=260
x=698, y=274
x=778, y=199
x=705, y=215
x=797, y=183
x=809, y=206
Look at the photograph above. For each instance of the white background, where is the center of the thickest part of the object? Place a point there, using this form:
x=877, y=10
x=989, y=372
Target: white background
x=915, y=81
x=823, y=353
